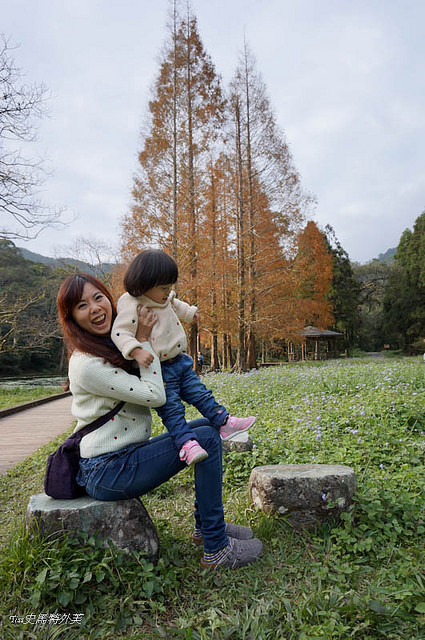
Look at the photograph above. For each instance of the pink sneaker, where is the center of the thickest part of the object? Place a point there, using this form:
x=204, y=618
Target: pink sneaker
x=233, y=426
x=192, y=452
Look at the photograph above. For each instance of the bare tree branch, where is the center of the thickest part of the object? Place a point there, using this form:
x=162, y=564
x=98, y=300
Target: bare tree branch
x=24, y=214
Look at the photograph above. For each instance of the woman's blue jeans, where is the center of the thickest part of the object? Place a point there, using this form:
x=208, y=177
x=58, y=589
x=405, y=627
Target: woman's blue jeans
x=182, y=383
x=133, y=471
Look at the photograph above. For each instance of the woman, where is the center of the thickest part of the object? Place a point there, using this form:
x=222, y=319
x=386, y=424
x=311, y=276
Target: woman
x=120, y=460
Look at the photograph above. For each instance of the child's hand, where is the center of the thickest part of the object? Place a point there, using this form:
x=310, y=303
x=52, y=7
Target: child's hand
x=143, y=357
x=147, y=318
x=196, y=318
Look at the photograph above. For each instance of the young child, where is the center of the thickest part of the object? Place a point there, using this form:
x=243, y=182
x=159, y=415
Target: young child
x=148, y=281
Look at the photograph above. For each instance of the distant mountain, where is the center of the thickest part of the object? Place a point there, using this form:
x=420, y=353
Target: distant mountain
x=55, y=263
x=388, y=256
x=107, y=267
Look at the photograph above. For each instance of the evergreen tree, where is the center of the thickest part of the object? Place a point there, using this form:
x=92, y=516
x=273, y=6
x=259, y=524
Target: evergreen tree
x=372, y=279
x=29, y=332
x=344, y=291
x=404, y=303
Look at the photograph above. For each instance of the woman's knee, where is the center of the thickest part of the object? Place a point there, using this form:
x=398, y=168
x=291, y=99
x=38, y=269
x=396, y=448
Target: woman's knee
x=208, y=437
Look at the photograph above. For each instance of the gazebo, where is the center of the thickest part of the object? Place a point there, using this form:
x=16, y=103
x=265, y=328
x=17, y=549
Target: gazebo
x=317, y=344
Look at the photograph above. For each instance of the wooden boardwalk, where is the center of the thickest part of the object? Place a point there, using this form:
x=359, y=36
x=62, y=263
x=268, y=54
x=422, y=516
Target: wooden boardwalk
x=24, y=432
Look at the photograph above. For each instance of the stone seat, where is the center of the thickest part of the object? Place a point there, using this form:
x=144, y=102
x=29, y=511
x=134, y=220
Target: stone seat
x=306, y=494
x=241, y=442
x=126, y=523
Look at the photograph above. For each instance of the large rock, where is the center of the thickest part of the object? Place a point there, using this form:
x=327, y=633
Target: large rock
x=125, y=522
x=305, y=493
x=241, y=442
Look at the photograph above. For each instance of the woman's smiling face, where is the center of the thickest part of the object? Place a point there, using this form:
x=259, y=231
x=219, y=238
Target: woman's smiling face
x=94, y=311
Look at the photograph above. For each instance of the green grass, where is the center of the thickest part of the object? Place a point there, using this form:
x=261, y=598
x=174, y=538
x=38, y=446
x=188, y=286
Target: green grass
x=363, y=578
x=19, y=395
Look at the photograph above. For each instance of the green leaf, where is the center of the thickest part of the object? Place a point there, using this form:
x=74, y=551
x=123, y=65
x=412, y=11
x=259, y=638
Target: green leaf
x=80, y=597
x=287, y=605
x=35, y=598
x=148, y=588
x=420, y=607
x=64, y=598
x=41, y=578
x=378, y=607
x=73, y=584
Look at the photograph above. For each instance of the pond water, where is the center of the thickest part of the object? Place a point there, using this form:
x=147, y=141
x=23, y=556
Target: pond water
x=29, y=382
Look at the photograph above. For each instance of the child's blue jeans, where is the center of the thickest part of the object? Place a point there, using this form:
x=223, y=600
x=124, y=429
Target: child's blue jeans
x=183, y=384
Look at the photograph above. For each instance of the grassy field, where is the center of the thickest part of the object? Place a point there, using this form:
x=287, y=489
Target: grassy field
x=19, y=395
x=363, y=578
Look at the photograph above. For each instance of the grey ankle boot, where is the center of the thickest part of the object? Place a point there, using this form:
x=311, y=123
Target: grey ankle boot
x=239, y=553
x=238, y=531
x=233, y=531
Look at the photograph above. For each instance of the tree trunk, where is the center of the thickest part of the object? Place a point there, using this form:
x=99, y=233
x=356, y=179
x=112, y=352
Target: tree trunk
x=229, y=350
x=215, y=363
x=193, y=333
x=251, y=350
x=214, y=341
x=174, y=152
x=225, y=358
x=240, y=364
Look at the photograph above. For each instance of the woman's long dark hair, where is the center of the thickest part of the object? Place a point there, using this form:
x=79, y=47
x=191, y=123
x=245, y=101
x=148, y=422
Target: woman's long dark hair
x=76, y=338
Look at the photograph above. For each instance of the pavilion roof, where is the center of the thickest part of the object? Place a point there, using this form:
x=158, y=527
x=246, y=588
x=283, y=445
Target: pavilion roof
x=314, y=332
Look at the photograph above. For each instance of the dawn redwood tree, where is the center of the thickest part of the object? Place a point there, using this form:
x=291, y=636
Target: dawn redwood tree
x=209, y=248
x=264, y=170
x=204, y=116
x=312, y=267
x=225, y=258
x=186, y=113
x=217, y=189
x=218, y=276
x=153, y=218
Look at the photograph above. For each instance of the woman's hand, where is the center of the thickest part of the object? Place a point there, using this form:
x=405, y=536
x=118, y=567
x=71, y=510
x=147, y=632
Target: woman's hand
x=147, y=319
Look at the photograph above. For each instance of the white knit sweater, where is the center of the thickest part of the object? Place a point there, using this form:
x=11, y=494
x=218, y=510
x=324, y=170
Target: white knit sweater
x=168, y=337
x=97, y=387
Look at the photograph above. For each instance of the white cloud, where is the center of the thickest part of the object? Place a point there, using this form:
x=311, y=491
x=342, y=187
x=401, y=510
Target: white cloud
x=345, y=79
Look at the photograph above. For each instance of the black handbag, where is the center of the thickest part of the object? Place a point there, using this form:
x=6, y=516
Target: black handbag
x=63, y=465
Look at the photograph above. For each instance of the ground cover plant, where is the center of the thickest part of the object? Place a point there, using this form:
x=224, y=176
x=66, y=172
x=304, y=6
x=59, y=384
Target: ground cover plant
x=9, y=397
x=362, y=578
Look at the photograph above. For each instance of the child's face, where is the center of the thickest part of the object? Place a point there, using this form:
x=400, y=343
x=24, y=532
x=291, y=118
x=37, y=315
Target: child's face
x=159, y=293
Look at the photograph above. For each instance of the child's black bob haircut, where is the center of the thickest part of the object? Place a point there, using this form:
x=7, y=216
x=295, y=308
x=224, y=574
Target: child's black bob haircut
x=150, y=268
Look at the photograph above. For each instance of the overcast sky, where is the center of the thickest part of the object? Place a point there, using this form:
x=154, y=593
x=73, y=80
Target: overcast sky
x=346, y=79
